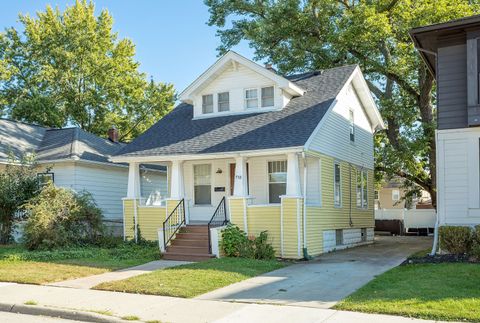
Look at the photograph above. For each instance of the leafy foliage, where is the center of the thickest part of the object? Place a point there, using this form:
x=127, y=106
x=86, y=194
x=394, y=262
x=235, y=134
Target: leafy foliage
x=455, y=240
x=70, y=68
x=475, y=251
x=59, y=217
x=299, y=36
x=18, y=183
x=235, y=243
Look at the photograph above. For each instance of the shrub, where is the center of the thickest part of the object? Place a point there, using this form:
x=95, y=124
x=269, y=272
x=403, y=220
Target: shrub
x=60, y=217
x=18, y=183
x=235, y=243
x=455, y=240
x=475, y=251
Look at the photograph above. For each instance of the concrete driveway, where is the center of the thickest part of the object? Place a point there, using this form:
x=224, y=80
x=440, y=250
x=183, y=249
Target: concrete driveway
x=325, y=281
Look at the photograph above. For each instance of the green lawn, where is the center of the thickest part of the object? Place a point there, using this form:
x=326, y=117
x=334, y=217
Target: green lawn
x=193, y=279
x=39, y=267
x=448, y=291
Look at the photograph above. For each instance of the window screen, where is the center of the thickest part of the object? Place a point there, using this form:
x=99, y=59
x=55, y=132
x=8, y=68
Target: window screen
x=277, y=180
x=251, y=98
x=337, y=187
x=267, y=96
x=207, y=103
x=223, y=101
x=202, y=183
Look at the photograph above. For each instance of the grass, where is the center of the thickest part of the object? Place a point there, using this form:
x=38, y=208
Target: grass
x=31, y=303
x=193, y=279
x=448, y=291
x=130, y=318
x=40, y=267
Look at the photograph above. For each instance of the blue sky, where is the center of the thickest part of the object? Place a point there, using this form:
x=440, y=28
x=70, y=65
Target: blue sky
x=173, y=42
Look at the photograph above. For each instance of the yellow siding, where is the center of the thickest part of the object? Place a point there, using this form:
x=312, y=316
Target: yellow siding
x=265, y=219
x=128, y=219
x=150, y=219
x=292, y=209
x=171, y=205
x=329, y=217
x=236, y=209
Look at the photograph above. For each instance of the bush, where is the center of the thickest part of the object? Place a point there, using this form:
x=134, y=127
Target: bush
x=235, y=243
x=456, y=240
x=59, y=217
x=18, y=183
x=475, y=252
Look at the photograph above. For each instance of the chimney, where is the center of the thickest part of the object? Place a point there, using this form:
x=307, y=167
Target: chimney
x=113, y=134
x=269, y=67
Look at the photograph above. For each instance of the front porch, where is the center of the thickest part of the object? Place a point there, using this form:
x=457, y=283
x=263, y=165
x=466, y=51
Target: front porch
x=262, y=191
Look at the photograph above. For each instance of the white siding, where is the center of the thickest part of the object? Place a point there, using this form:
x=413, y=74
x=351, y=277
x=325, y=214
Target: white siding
x=458, y=176
x=236, y=81
x=333, y=137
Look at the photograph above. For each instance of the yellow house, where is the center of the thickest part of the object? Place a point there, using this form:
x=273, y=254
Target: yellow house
x=292, y=155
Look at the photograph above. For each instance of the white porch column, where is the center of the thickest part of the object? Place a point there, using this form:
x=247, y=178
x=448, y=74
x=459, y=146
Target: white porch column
x=177, y=187
x=133, y=190
x=240, y=187
x=293, y=176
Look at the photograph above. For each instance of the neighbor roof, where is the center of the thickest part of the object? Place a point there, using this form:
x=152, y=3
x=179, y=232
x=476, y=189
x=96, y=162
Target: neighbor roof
x=50, y=144
x=426, y=38
x=179, y=133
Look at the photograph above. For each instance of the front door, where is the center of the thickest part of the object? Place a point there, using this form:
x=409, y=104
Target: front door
x=232, y=179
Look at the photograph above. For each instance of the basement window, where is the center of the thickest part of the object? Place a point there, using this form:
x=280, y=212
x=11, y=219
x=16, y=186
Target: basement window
x=339, y=237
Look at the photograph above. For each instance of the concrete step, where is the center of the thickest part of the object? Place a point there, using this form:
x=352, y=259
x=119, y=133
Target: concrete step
x=190, y=242
x=187, y=256
x=187, y=249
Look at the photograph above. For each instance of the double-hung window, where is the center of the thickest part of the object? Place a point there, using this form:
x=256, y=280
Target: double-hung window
x=251, y=98
x=362, y=189
x=395, y=195
x=223, y=101
x=267, y=97
x=277, y=180
x=207, y=103
x=202, y=175
x=337, y=186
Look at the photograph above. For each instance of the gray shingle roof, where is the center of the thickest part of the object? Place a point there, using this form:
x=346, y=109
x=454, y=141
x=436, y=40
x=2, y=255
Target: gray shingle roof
x=178, y=133
x=47, y=144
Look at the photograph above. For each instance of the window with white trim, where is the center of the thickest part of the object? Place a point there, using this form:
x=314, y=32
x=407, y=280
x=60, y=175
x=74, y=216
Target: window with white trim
x=314, y=181
x=277, y=180
x=362, y=183
x=202, y=175
x=352, y=126
x=267, y=97
x=207, y=103
x=251, y=98
x=395, y=195
x=223, y=101
x=337, y=185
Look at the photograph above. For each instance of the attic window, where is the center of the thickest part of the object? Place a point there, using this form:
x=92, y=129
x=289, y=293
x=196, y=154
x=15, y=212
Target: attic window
x=207, y=103
x=267, y=96
x=251, y=98
x=223, y=101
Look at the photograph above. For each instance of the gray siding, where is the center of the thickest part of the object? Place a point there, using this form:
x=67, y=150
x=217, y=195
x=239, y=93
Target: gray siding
x=452, y=87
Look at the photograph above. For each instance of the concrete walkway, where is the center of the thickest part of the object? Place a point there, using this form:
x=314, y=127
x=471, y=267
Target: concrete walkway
x=323, y=282
x=92, y=281
x=170, y=309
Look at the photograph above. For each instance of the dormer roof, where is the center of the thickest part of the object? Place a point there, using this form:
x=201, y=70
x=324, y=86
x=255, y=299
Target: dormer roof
x=228, y=60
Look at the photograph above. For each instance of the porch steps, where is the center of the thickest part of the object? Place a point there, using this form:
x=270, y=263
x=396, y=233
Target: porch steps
x=190, y=244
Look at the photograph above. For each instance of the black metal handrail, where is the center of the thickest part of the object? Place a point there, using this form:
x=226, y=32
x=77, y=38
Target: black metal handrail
x=218, y=219
x=173, y=223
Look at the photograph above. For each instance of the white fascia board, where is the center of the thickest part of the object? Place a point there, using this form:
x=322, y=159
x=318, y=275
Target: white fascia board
x=91, y=162
x=233, y=154
x=367, y=100
x=283, y=83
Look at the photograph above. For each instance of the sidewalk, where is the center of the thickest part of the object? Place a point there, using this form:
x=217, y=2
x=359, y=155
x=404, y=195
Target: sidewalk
x=171, y=309
x=92, y=281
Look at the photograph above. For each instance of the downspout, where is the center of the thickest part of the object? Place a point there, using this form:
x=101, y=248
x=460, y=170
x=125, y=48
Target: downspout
x=306, y=256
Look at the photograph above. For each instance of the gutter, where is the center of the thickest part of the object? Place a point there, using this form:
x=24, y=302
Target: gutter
x=306, y=256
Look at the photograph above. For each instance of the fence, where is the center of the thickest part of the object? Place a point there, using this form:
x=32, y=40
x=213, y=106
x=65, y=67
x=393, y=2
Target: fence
x=415, y=218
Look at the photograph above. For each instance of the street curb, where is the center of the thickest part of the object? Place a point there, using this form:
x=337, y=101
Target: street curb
x=66, y=314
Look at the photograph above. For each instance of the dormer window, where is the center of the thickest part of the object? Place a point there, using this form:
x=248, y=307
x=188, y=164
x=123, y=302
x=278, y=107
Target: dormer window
x=207, y=103
x=267, y=97
x=223, y=101
x=251, y=98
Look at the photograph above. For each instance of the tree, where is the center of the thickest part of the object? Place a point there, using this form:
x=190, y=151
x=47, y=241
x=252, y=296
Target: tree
x=18, y=183
x=70, y=68
x=298, y=36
